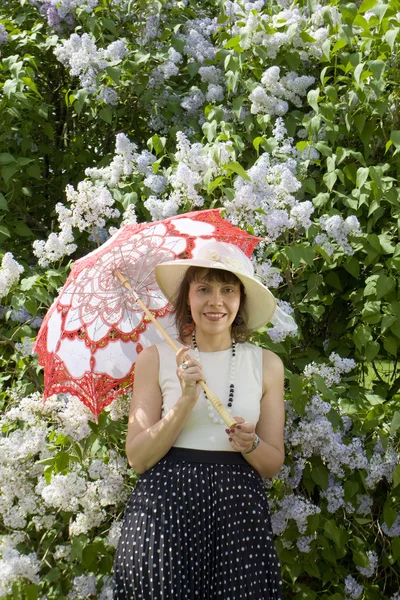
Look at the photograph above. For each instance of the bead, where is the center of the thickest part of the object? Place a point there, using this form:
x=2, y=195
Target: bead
x=213, y=415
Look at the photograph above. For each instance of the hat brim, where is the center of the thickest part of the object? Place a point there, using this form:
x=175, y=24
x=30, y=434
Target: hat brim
x=260, y=302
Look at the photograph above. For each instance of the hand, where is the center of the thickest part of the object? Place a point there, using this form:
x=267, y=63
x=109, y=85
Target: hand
x=243, y=436
x=189, y=374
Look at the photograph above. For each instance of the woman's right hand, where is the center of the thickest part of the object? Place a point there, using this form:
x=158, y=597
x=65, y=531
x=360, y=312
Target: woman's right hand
x=189, y=375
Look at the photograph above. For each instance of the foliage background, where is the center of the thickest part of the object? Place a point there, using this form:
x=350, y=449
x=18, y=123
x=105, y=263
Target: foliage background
x=333, y=147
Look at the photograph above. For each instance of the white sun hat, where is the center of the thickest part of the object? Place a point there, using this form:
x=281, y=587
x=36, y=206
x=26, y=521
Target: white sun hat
x=260, y=303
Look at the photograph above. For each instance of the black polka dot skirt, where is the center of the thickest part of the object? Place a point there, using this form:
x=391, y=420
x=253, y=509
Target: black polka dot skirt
x=197, y=527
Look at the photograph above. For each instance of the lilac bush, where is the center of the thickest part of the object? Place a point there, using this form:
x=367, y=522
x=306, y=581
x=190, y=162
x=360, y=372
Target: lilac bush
x=284, y=116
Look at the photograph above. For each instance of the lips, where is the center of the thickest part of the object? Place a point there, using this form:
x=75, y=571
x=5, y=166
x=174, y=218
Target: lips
x=214, y=316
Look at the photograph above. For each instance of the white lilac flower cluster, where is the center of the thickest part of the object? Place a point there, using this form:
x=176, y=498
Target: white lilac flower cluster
x=194, y=161
x=107, y=591
x=291, y=507
x=84, y=60
x=9, y=273
x=334, y=495
x=372, y=566
x=394, y=530
x=274, y=97
x=169, y=68
x=58, y=11
x=90, y=205
x=382, y=465
x=25, y=347
x=282, y=29
x=352, y=589
x=331, y=374
x=87, y=493
x=196, y=35
x=214, y=78
x=83, y=587
x=269, y=275
x=314, y=434
x=266, y=201
x=337, y=233
x=303, y=543
x=15, y=567
x=3, y=34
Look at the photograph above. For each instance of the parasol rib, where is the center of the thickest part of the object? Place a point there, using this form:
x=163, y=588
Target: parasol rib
x=215, y=401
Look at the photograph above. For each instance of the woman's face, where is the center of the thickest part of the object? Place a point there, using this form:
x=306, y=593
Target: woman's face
x=214, y=305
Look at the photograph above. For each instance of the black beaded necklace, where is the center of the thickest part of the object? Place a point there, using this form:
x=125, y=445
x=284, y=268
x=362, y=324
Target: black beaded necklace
x=211, y=411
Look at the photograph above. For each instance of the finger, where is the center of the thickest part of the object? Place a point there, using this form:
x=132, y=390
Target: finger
x=236, y=445
x=239, y=419
x=244, y=426
x=180, y=355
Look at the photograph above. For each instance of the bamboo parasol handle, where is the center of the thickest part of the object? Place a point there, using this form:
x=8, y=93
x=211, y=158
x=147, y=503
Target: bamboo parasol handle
x=215, y=401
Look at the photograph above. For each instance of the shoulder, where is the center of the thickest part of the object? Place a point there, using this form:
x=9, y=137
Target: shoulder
x=271, y=360
x=148, y=359
x=273, y=369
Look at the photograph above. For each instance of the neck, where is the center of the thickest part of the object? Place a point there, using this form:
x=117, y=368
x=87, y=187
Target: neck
x=215, y=343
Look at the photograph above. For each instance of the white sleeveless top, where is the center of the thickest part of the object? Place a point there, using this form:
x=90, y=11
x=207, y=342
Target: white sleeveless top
x=199, y=432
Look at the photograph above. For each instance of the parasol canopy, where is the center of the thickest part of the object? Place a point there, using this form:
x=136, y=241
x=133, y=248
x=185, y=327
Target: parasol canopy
x=93, y=332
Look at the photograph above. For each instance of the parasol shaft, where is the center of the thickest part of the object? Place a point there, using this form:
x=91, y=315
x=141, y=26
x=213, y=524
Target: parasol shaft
x=215, y=401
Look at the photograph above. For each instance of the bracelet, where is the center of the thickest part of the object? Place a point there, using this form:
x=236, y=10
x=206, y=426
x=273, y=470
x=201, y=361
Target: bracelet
x=255, y=445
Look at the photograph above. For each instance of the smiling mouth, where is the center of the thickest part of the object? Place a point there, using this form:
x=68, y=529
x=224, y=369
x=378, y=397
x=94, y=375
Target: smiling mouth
x=214, y=316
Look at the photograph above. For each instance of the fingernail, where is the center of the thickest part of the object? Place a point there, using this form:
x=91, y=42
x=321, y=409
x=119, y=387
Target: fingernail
x=230, y=439
x=233, y=430
x=239, y=426
x=227, y=430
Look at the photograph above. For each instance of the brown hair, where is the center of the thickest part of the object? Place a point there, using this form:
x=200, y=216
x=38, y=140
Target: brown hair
x=180, y=301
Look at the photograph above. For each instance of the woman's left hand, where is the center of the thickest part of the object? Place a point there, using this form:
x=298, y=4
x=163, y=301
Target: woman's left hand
x=243, y=436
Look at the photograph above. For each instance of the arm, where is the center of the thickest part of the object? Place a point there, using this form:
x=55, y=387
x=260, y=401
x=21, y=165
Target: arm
x=150, y=436
x=268, y=458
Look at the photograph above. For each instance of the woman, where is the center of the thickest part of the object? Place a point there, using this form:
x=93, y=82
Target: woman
x=197, y=525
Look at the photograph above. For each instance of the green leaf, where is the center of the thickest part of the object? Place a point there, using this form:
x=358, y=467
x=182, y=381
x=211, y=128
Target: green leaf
x=391, y=345
x=390, y=36
x=330, y=179
x=106, y=114
x=114, y=73
x=233, y=43
x=80, y=99
x=362, y=176
x=372, y=350
x=395, y=137
x=110, y=25
x=235, y=167
x=4, y=230
x=333, y=532
x=53, y=575
x=8, y=171
x=377, y=67
x=27, y=283
x=384, y=285
x=321, y=477
x=396, y=547
x=362, y=334
x=6, y=158
x=389, y=514
x=312, y=98
x=353, y=267
x=210, y=130
x=299, y=399
x=367, y=5
x=394, y=426
x=300, y=254
x=3, y=203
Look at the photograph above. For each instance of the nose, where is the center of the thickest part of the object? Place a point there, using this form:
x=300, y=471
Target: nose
x=216, y=298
